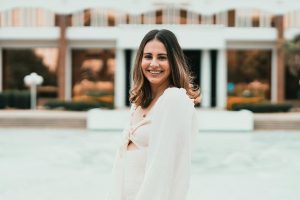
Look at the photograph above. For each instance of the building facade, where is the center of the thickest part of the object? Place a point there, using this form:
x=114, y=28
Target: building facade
x=86, y=49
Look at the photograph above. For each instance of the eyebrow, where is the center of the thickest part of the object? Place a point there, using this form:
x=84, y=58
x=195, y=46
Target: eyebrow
x=160, y=54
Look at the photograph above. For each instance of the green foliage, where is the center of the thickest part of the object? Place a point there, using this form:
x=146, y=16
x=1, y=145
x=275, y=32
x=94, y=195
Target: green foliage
x=2, y=101
x=21, y=63
x=99, y=93
x=15, y=99
x=292, y=56
x=263, y=107
x=22, y=100
x=292, y=64
x=76, y=106
x=249, y=66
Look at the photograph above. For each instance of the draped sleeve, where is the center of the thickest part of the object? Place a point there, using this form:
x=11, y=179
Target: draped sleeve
x=116, y=184
x=167, y=172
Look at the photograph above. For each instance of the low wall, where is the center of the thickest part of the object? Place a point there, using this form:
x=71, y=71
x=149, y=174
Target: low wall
x=100, y=119
x=217, y=120
x=209, y=120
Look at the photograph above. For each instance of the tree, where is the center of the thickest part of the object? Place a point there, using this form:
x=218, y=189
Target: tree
x=20, y=63
x=292, y=50
x=292, y=62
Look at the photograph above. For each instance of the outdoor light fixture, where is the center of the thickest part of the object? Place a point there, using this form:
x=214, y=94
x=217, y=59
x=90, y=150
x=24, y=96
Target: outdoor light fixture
x=32, y=80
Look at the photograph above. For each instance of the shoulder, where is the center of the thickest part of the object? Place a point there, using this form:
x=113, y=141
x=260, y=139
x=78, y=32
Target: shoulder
x=177, y=95
x=133, y=107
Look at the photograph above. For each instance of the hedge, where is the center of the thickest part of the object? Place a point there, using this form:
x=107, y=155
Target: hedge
x=263, y=107
x=76, y=106
x=15, y=99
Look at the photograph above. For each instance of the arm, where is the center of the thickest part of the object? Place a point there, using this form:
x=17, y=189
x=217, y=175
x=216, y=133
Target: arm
x=115, y=189
x=169, y=153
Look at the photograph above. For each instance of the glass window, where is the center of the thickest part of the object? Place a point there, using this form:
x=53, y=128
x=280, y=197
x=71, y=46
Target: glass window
x=292, y=75
x=17, y=63
x=93, y=75
x=249, y=76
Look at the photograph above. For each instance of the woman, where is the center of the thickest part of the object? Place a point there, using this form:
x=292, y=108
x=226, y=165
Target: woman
x=153, y=162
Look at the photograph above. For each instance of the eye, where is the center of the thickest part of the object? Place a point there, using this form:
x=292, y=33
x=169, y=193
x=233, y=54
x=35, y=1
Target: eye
x=147, y=56
x=162, y=57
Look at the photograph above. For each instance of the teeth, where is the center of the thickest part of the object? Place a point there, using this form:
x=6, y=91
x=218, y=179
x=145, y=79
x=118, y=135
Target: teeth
x=154, y=72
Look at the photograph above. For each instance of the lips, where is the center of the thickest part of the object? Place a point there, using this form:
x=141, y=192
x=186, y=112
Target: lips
x=155, y=71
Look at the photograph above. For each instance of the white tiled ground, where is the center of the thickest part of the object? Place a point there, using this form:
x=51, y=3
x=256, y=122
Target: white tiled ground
x=75, y=165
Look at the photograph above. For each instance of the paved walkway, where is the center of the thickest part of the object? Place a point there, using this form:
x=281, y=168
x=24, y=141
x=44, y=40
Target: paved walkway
x=42, y=118
x=277, y=121
x=73, y=119
x=41, y=114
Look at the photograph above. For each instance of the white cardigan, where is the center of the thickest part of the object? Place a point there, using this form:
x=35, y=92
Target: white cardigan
x=167, y=173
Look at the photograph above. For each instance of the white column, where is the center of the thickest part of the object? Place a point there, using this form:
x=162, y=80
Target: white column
x=1, y=71
x=104, y=17
x=34, y=17
x=225, y=18
x=27, y=17
x=9, y=18
x=221, y=79
x=207, y=19
x=274, y=76
x=149, y=18
x=192, y=18
x=121, y=18
x=2, y=19
x=164, y=15
x=135, y=19
x=120, y=81
x=205, y=79
x=94, y=19
x=68, y=75
x=176, y=13
x=297, y=17
x=294, y=20
x=133, y=55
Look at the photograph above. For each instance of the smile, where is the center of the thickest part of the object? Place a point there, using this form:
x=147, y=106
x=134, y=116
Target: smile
x=154, y=72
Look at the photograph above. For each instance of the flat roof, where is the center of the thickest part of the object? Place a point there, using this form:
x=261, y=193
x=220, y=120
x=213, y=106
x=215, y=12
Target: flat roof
x=205, y=7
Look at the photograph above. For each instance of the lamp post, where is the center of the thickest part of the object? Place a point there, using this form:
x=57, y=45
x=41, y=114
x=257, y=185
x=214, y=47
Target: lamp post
x=32, y=80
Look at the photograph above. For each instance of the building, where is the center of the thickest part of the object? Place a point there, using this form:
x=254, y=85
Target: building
x=233, y=46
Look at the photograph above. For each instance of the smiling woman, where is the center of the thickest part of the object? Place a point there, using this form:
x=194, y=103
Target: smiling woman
x=156, y=69
x=155, y=64
x=160, y=63
x=154, y=158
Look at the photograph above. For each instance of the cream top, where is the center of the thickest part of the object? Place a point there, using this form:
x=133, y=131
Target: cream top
x=138, y=132
x=168, y=133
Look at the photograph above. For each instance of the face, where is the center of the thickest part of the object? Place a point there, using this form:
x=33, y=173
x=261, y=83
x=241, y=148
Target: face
x=155, y=64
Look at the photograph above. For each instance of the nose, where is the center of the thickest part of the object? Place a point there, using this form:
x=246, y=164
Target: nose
x=154, y=63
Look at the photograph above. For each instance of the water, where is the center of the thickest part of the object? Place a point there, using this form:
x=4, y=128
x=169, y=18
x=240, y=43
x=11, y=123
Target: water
x=46, y=164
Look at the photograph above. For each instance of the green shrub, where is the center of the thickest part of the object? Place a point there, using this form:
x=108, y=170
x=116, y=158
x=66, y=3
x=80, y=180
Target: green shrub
x=54, y=104
x=99, y=93
x=15, y=99
x=263, y=107
x=2, y=101
x=9, y=95
x=21, y=99
x=76, y=106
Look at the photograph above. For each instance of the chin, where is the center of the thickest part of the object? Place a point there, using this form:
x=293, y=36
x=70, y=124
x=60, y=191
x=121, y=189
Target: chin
x=156, y=82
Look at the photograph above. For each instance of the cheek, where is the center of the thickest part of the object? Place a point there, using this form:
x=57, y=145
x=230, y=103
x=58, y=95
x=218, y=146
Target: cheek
x=169, y=74
x=144, y=64
x=168, y=69
x=143, y=69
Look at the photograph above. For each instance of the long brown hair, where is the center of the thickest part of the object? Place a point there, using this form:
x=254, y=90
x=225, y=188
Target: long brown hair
x=180, y=77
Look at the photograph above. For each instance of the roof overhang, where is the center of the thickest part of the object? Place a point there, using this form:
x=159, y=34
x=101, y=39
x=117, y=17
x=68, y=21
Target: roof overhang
x=206, y=7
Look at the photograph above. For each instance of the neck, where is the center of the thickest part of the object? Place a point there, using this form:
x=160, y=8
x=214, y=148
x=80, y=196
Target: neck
x=158, y=90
